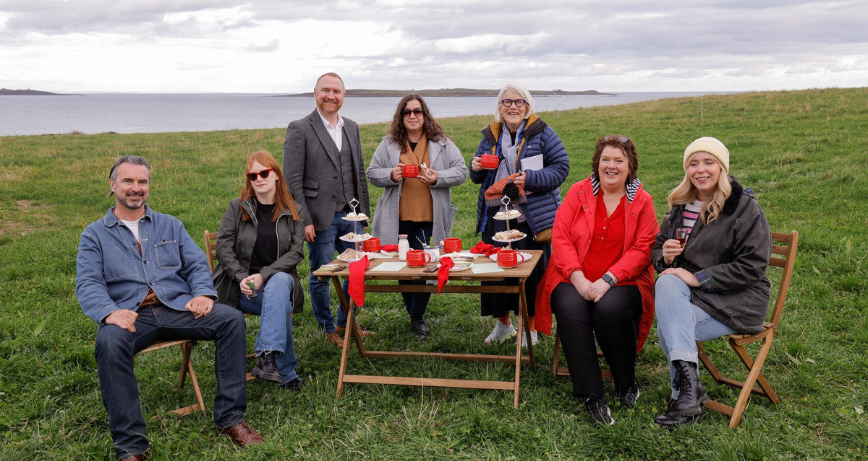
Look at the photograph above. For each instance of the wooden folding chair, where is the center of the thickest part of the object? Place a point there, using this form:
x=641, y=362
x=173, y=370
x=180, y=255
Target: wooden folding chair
x=211, y=254
x=558, y=370
x=186, y=346
x=786, y=260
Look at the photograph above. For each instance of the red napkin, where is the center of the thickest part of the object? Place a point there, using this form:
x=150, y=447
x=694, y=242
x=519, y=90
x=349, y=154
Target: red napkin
x=484, y=248
x=446, y=263
x=389, y=248
x=357, y=280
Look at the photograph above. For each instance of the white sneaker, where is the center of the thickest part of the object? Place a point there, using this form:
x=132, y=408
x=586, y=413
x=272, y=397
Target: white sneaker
x=500, y=333
x=533, y=338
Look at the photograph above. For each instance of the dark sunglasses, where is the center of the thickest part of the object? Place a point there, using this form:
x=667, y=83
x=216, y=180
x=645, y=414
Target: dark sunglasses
x=417, y=112
x=509, y=102
x=613, y=137
x=264, y=174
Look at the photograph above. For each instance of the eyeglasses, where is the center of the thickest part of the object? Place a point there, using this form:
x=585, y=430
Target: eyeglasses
x=417, y=112
x=264, y=174
x=612, y=137
x=509, y=102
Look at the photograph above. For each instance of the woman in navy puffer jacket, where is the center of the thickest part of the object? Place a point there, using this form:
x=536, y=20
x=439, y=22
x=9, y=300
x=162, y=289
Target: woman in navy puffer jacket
x=527, y=146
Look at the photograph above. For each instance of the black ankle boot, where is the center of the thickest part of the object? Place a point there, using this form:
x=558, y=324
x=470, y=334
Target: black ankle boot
x=266, y=368
x=687, y=408
x=420, y=329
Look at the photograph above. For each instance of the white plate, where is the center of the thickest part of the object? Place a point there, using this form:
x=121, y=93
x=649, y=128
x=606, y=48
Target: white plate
x=508, y=217
x=360, y=254
x=357, y=239
x=347, y=218
x=389, y=253
x=460, y=268
x=526, y=256
x=523, y=236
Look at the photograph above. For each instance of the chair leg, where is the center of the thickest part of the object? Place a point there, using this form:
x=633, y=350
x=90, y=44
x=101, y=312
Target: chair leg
x=748, y=362
x=557, y=354
x=744, y=395
x=186, y=349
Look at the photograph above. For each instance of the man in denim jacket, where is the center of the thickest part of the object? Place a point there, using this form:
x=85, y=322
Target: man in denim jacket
x=142, y=279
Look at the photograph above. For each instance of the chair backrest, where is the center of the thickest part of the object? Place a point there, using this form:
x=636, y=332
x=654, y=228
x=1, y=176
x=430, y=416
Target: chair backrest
x=784, y=256
x=211, y=248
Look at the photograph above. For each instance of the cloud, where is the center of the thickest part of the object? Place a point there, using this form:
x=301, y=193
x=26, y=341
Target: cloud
x=614, y=45
x=272, y=45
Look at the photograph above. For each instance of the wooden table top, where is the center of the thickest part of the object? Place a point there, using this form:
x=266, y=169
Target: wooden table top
x=522, y=270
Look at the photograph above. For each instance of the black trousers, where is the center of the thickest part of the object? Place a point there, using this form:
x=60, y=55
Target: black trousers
x=417, y=232
x=611, y=321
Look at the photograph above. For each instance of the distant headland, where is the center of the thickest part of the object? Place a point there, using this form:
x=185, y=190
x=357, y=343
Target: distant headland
x=448, y=92
x=27, y=92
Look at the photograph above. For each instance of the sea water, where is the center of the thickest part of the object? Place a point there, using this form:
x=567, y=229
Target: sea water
x=157, y=113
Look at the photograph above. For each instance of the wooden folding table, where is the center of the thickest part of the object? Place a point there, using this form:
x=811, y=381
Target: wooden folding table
x=520, y=273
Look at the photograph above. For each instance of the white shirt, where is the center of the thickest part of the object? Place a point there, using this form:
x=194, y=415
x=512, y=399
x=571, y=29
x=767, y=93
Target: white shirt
x=133, y=226
x=337, y=132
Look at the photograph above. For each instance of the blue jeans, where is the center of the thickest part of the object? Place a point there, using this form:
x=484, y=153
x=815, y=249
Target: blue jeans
x=322, y=251
x=274, y=304
x=680, y=323
x=116, y=346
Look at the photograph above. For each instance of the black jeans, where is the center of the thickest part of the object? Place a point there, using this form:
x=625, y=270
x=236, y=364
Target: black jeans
x=611, y=320
x=417, y=232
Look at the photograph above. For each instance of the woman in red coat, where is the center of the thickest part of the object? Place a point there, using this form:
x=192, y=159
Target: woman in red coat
x=599, y=281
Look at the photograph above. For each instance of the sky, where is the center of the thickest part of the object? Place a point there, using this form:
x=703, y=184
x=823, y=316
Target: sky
x=230, y=46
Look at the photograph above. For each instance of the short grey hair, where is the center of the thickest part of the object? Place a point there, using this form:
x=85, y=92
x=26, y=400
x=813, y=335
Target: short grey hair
x=134, y=159
x=520, y=89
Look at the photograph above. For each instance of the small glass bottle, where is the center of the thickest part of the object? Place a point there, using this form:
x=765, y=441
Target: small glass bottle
x=403, y=246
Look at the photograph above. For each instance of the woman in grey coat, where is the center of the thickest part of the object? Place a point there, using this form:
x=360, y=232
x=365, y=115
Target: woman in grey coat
x=419, y=207
x=712, y=253
x=259, y=244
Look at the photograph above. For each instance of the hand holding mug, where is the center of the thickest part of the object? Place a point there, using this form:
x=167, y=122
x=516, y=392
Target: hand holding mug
x=398, y=173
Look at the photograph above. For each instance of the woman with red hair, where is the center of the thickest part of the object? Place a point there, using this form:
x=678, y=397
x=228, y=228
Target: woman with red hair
x=259, y=243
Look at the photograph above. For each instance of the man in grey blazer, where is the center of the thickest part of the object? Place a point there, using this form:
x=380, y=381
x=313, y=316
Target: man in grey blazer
x=324, y=169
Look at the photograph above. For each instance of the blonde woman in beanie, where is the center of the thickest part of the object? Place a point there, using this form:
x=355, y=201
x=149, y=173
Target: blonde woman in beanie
x=712, y=252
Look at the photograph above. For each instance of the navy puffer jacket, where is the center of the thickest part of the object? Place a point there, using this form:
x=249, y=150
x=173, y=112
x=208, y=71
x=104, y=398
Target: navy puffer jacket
x=542, y=204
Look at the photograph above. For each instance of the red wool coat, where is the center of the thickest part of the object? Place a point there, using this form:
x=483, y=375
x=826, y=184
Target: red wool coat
x=571, y=240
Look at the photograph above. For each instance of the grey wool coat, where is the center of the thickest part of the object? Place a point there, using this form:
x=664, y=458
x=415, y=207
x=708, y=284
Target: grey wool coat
x=451, y=170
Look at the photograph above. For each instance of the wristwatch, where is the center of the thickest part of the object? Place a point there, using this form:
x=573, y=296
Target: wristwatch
x=608, y=280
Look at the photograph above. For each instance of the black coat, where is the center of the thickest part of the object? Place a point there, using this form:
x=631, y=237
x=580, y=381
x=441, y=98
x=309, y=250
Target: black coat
x=235, y=241
x=729, y=257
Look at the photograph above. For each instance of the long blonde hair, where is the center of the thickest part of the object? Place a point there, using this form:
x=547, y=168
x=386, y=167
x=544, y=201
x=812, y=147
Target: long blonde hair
x=685, y=193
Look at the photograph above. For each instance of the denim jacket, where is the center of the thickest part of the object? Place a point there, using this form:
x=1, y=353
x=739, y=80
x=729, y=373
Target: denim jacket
x=111, y=274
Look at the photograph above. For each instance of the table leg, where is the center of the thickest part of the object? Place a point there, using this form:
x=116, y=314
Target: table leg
x=342, y=297
x=518, y=358
x=346, y=349
x=523, y=313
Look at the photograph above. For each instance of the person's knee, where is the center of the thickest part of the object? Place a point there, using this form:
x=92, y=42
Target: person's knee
x=112, y=341
x=282, y=280
x=668, y=282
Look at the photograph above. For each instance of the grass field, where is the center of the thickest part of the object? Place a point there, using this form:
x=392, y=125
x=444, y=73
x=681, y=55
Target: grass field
x=803, y=153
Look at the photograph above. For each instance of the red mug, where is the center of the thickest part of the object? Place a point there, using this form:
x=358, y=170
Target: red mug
x=509, y=258
x=417, y=258
x=411, y=171
x=489, y=161
x=372, y=245
x=451, y=245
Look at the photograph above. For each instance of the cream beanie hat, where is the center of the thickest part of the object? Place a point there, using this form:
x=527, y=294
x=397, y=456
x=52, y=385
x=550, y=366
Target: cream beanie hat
x=711, y=145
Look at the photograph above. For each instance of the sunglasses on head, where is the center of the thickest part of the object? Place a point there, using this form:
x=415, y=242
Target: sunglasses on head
x=264, y=174
x=417, y=112
x=613, y=137
x=509, y=102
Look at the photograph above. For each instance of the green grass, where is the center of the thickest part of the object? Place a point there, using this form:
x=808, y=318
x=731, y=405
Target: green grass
x=802, y=152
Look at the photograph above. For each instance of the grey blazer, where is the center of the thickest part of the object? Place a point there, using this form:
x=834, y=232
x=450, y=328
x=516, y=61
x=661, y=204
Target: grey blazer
x=310, y=167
